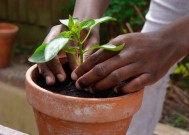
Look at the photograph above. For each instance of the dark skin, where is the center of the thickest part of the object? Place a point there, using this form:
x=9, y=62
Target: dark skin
x=84, y=9
x=53, y=69
x=146, y=58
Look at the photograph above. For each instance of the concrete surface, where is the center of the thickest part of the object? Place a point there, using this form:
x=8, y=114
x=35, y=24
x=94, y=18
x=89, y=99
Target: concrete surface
x=15, y=112
x=8, y=131
x=163, y=129
x=14, y=74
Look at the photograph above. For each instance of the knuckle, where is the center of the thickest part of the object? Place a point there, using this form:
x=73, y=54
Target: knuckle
x=120, y=37
x=139, y=83
x=100, y=70
x=55, y=27
x=115, y=77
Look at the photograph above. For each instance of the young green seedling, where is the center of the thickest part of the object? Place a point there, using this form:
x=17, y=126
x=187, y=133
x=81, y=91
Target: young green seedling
x=48, y=51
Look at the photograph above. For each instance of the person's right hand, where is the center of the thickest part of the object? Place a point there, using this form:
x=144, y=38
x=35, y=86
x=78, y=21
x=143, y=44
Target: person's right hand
x=53, y=69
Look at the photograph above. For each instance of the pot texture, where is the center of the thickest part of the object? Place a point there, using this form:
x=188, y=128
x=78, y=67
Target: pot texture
x=7, y=38
x=64, y=115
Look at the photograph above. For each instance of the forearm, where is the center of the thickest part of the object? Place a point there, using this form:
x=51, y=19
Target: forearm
x=178, y=32
x=85, y=9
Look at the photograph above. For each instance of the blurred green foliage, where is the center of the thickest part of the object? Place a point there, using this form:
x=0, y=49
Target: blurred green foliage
x=176, y=121
x=124, y=11
x=181, y=74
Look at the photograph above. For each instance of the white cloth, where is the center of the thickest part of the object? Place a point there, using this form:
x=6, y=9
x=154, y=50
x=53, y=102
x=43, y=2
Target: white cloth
x=161, y=13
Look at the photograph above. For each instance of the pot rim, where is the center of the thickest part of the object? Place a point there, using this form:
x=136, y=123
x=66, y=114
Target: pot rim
x=78, y=109
x=12, y=28
x=37, y=87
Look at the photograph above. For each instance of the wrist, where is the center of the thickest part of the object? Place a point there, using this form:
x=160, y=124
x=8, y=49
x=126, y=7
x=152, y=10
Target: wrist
x=178, y=34
x=85, y=15
x=174, y=48
x=85, y=9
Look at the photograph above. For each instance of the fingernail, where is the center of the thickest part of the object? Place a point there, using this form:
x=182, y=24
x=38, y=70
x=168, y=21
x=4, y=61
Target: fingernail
x=48, y=80
x=40, y=70
x=74, y=76
x=77, y=86
x=91, y=90
x=86, y=89
x=60, y=77
x=115, y=90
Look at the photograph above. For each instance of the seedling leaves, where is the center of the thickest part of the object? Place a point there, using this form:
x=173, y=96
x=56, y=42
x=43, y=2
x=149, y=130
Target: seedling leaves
x=54, y=47
x=38, y=55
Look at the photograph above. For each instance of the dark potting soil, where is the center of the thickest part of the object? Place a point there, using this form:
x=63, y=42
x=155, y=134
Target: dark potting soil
x=68, y=88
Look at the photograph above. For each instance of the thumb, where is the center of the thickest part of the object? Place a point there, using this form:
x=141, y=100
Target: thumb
x=55, y=30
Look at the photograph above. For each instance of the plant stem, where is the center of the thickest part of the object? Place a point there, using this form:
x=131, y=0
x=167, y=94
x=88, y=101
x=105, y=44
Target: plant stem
x=86, y=36
x=80, y=44
x=80, y=52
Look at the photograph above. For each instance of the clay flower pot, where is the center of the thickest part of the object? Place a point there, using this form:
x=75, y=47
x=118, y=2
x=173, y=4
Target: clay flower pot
x=65, y=115
x=7, y=38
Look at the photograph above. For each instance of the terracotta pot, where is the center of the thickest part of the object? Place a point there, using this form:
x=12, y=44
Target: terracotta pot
x=7, y=38
x=65, y=115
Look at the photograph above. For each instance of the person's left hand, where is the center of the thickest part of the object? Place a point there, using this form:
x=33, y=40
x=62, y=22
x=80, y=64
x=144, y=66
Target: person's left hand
x=145, y=58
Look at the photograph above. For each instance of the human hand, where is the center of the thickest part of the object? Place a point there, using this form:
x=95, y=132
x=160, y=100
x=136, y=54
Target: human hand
x=53, y=69
x=145, y=58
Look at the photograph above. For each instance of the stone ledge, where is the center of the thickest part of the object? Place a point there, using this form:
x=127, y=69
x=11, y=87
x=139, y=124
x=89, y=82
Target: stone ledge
x=8, y=131
x=162, y=129
x=14, y=75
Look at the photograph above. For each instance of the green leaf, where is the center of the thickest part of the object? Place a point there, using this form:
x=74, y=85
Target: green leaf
x=109, y=47
x=113, y=47
x=38, y=55
x=101, y=20
x=66, y=34
x=54, y=47
x=65, y=21
x=69, y=49
x=70, y=22
x=98, y=21
x=87, y=23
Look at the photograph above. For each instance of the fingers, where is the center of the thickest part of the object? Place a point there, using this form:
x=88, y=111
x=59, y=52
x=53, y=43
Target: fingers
x=47, y=74
x=92, y=40
x=52, y=70
x=94, y=59
x=97, y=57
x=55, y=30
x=56, y=67
x=136, y=84
x=71, y=58
x=101, y=70
x=116, y=77
x=72, y=62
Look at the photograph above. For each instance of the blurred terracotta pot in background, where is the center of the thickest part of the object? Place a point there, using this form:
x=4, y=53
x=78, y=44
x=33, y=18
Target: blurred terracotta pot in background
x=65, y=115
x=7, y=37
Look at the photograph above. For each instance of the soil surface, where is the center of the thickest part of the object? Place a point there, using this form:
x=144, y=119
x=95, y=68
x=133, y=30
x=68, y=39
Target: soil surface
x=68, y=88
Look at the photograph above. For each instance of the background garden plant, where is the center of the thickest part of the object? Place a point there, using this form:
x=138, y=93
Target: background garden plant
x=48, y=51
